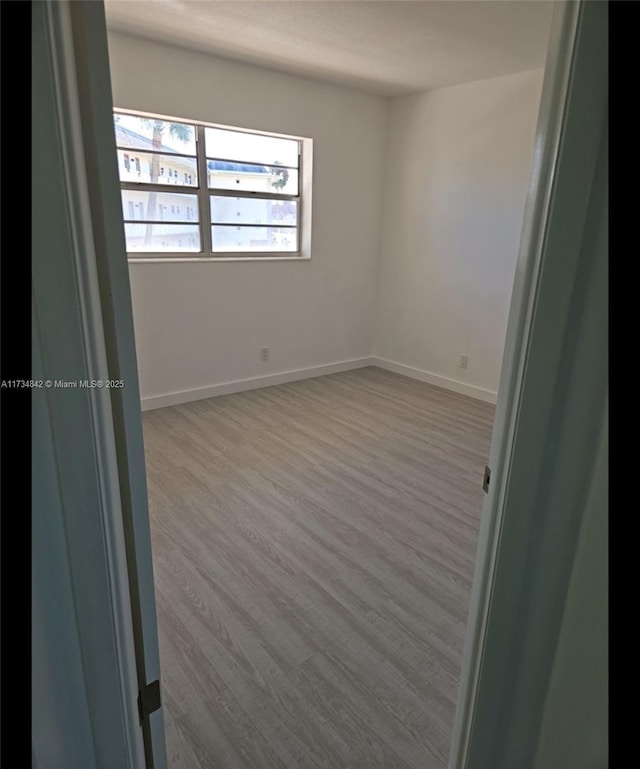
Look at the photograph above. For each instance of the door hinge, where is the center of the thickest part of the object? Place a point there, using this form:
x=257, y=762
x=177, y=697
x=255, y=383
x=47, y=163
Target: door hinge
x=148, y=700
x=486, y=479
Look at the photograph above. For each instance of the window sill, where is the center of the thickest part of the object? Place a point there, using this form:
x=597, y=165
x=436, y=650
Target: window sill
x=157, y=259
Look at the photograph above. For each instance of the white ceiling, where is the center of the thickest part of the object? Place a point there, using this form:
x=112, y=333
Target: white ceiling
x=388, y=47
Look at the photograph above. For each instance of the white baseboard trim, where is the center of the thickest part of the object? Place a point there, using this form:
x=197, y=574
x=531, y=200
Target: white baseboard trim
x=253, y=383
x=488, y=396
x=240, y=385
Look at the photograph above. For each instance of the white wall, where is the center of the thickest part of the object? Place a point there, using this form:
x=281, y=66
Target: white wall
x=417, y=209
x=458, y=164
x=199, y=325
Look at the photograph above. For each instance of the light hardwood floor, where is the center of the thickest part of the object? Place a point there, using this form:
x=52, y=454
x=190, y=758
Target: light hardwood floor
x=313, y=547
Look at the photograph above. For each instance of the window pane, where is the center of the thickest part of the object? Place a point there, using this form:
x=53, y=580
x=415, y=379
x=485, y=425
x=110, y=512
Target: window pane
x=251, y=178
x=148, y=205
x=152, y=134
x=162, y=237
x=253, y=211
x=135, y=166
x=254, y=239
x=235, y=145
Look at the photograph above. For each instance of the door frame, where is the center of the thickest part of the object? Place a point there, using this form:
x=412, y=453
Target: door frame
x=89, y=278
x=87, y=566
x=541, y=361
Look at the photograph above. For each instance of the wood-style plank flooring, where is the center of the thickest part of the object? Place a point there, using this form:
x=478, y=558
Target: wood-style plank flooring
x=313, y=549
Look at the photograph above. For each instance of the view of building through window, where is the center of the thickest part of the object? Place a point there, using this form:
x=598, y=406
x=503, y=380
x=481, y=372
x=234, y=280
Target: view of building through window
x=249, y=202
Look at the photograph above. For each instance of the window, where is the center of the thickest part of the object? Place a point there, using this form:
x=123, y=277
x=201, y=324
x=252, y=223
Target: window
x=232, y=193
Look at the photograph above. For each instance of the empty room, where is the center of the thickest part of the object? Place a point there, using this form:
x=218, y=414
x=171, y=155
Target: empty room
x=322, y=205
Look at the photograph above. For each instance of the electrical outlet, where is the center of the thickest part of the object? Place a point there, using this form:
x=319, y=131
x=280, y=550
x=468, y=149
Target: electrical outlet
x=464, y=361
x=264, y=353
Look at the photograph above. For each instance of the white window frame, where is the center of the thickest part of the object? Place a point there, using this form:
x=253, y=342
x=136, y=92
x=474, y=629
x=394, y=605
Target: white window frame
x=203, y=193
